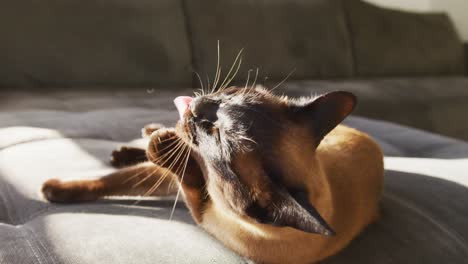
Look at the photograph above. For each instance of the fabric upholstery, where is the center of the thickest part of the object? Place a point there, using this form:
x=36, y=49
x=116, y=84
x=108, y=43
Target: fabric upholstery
x=93, y=43
x=69, y=134
x=114, y=43
x=398, y=43
x=436, y=104
x=465, y=45
x=277, y=36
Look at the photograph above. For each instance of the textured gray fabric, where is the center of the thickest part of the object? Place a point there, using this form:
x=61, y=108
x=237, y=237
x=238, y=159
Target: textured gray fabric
x=103, y=43
x=277, y=36
x=157, y=43
x=423, y=219
x=436, y=104
x=398, y=43
x=68, y=134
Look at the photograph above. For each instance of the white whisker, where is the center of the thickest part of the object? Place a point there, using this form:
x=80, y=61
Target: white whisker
x=201, y=82
x=181, y=181
x=218, y=71
x=228, y=78
x=255, y=80
x=290, y=73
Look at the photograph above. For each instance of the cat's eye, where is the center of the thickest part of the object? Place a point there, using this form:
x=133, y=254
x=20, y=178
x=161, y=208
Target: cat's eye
x=205, y=109
x=205, y=124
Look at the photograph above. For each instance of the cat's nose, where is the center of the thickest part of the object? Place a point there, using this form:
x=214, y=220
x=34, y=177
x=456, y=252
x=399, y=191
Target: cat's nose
x=204, y=108
x=182, y=103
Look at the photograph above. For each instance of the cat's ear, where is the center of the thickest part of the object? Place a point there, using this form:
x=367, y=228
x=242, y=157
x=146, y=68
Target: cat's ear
x=292, y=209
x=326, y=111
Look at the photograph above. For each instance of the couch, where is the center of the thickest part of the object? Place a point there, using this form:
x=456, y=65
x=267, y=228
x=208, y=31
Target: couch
x=79, y=79
x=415, y=61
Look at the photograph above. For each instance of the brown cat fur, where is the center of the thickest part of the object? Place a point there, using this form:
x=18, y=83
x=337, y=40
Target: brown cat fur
x=339, y=169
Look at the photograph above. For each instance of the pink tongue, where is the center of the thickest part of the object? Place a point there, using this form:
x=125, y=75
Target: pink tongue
x=182, y=104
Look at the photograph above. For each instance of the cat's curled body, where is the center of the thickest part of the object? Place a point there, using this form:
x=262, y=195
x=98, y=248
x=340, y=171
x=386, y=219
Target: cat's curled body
x=274, y=179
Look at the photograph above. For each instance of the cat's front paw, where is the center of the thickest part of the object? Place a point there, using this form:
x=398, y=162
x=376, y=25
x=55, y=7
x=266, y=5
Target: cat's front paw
x=126, y=156
x=162, y=143
x=149, y=129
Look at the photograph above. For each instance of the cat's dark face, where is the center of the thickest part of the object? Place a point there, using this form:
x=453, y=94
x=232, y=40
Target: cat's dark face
x=254, y=146
x=229, y=123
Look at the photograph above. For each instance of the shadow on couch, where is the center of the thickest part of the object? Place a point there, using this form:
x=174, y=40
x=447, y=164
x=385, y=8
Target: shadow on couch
x=423, y=217
x=423, y=221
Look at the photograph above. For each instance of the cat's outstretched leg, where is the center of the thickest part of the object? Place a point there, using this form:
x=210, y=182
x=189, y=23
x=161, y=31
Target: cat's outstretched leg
x=142, y=179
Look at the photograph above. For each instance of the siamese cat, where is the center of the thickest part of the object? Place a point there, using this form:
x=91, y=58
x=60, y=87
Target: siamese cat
x=277, y=180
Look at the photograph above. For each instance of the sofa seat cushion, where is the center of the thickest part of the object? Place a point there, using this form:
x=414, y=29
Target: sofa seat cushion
x=66, y=135
x=423, y=103
x=119, y=230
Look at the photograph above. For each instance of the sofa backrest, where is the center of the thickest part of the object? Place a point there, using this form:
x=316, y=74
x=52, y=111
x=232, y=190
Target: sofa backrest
x=277, y=36
x=93, y=43
x=158, y=43
x=389, y=42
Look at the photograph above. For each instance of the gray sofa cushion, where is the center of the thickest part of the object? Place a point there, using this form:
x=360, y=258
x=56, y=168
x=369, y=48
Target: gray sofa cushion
x=112, y=231
x=277, y=36
x=397, y=43
x=434, y=104
x=100, y=43
x=70, y=135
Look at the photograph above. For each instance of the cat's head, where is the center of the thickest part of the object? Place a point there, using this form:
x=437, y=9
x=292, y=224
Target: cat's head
x=258, y=150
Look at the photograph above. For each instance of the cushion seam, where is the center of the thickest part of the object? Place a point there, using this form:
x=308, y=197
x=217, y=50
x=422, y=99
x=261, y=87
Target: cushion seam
x=37, y=214
x=5, y=203
x=189, y=34
x=12, y=214
x=39, y=242
x=34, y=250
x=347, y=20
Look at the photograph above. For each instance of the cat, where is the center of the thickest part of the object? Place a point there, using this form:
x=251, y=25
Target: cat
x=277, y=180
